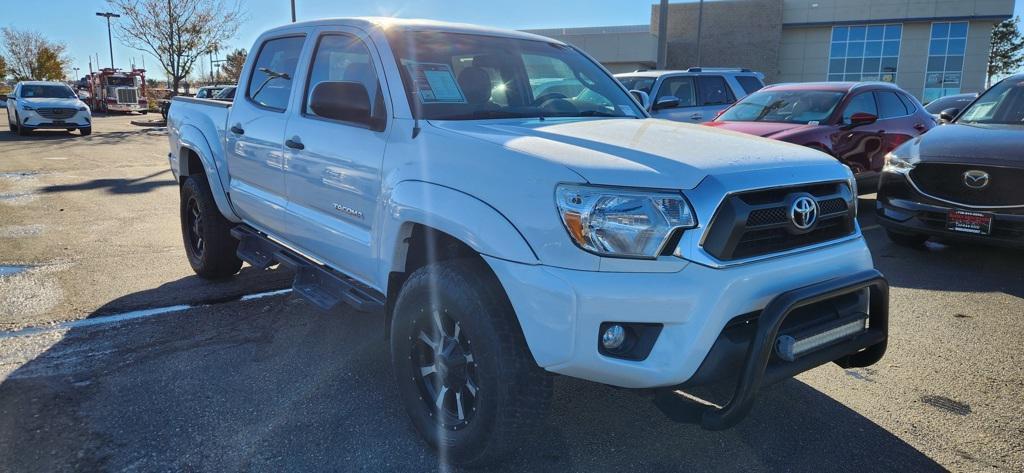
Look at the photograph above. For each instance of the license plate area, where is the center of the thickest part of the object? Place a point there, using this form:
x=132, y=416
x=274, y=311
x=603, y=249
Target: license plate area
x=965, y=221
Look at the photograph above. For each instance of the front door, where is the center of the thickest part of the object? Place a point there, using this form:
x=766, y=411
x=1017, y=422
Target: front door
x=253, y=140
x=334, y=167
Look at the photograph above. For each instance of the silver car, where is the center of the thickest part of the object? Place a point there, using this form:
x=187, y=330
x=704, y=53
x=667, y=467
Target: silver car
x=694, y=95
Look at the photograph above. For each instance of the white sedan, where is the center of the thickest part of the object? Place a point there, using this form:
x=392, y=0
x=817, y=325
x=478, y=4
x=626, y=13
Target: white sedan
x=38, y=105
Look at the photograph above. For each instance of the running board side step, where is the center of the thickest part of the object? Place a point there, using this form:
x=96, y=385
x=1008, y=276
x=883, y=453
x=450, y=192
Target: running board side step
x=318, y=284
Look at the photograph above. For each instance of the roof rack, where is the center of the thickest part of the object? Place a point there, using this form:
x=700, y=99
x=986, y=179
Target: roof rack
x=718, y=69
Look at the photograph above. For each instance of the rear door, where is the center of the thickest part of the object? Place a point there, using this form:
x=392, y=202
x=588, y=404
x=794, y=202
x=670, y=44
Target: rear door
x=333, y=174
x=714, y=95
x=255, y=135
x=898, y=124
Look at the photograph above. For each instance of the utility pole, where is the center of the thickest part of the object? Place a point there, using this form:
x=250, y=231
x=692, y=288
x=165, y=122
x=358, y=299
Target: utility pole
x=663, y=35
x=110, y=39
x=700, y=24
x=293, y=11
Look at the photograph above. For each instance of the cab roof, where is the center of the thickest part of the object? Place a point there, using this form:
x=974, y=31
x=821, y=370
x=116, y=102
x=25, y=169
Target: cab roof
x=408, y=24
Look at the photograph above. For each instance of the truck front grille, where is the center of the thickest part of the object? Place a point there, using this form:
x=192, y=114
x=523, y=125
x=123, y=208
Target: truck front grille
x=127, y=96
x=757, y=223
x=56, y=113
x=946, y=181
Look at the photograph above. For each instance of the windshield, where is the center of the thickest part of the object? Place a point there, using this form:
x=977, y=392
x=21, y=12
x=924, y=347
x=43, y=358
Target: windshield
x=784, y=106
x=120, y=81
x=47, y=92
x=1003, y=104
x=953, y=101
x=643, y=84
x=453, y=76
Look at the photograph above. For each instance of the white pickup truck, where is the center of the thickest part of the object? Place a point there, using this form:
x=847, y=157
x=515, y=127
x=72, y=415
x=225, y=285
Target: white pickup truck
x=409, y=168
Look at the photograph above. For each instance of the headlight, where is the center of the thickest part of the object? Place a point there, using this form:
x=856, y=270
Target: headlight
x=626, y=223
x=903, y=159
x=27, y=107
x=82, y=108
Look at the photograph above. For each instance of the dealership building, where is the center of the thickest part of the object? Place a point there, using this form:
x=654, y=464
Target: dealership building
x=930, y=48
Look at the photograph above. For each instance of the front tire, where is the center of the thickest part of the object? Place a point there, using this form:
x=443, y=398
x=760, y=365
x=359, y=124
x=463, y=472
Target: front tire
x=86, y=131
x=464, y=372
x=210, y=248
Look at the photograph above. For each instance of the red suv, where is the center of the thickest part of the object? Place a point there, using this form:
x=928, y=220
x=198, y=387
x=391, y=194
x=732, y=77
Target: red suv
x=856, y=122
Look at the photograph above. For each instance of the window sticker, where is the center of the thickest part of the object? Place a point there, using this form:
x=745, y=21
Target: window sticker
x=435, y=83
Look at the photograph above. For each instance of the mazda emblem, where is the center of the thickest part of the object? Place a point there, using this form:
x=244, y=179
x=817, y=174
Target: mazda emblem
x=803, y=212
x=976, y=179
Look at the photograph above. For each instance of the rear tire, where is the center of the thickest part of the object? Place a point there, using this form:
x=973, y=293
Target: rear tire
x=492, y=393
x=910, y=240
x=210, y=248
x=85, y=131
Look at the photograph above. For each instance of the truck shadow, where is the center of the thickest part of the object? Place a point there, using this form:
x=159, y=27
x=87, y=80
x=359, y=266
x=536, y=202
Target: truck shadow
x=272, y=384
x=118, y=185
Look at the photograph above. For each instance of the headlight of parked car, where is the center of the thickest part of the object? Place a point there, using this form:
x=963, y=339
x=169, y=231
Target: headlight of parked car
x=902, y=159
x=625, y=223
x=82, y=108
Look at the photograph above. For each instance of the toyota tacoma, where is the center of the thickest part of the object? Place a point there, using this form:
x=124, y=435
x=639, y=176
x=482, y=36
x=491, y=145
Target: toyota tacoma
x=412, y=169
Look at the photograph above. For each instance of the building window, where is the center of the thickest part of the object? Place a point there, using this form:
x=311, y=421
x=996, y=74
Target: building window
x=864, y=52
x=945, y=59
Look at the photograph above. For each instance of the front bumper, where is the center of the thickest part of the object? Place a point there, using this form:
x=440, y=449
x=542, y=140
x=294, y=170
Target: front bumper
x=126, y=107
x=902, y=209
x=561, y=310
x=32, y=120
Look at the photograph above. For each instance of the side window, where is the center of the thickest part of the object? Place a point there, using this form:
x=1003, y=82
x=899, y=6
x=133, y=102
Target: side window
x=890, y=105
x=271, y=80
x=682, y=87
x=344, y=58
x=714, y=91
x=909, y=103
x=863, y=103
x=750, y=84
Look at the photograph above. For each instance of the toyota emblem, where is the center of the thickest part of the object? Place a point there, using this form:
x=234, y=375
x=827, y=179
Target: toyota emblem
x=976, y=179
x=803, y=212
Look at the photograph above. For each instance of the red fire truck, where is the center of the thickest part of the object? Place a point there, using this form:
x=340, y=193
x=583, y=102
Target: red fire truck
x=116, y=90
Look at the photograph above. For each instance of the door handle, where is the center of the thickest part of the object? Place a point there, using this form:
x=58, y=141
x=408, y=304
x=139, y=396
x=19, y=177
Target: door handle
x=293, y=144
x=697, y=116
x=237, y=129
x=920, y=127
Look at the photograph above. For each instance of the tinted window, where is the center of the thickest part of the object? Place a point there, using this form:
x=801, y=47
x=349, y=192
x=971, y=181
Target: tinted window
x=890, y=106
x=863, y=103
x=784, y=106
x=911, y=103
x=345, y=58
x=750, y=84
x=271, y=81
x=1002, y=104
x=682, y=87
x=714, y=91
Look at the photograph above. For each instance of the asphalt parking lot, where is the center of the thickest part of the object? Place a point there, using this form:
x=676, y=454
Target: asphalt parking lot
x=89, y=232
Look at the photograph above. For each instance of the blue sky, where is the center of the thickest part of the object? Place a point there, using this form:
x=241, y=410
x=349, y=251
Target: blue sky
x=74, y=22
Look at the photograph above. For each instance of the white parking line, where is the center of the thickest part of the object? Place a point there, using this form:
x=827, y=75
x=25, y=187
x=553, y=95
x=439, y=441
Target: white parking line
x=125, y=316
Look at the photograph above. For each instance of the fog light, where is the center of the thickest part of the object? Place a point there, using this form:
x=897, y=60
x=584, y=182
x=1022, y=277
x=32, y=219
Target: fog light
x=613, y=337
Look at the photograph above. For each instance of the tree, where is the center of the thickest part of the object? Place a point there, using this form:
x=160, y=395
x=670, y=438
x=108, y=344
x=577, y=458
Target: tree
x=30, y=56
x=48, y=65
x=1007, y=53
x=177, y=32
x=232, y=66
x=3, y=69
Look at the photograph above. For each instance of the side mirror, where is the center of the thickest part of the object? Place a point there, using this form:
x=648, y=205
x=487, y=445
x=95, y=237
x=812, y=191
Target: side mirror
x=642, y=97
x=344, y=101
x=948, y=114
x=668, y=101
x=862, y=118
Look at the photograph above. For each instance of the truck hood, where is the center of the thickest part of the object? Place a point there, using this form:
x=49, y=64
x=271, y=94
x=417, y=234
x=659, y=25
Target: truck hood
x=638, y=152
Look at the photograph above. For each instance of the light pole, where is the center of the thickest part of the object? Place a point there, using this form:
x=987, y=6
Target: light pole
x=75, y=78
x=700, y=24
x=110, y=39
x=293, y=11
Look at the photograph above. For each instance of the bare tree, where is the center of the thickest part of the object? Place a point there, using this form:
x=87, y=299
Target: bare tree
x=177, y=32
x=29, y=55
